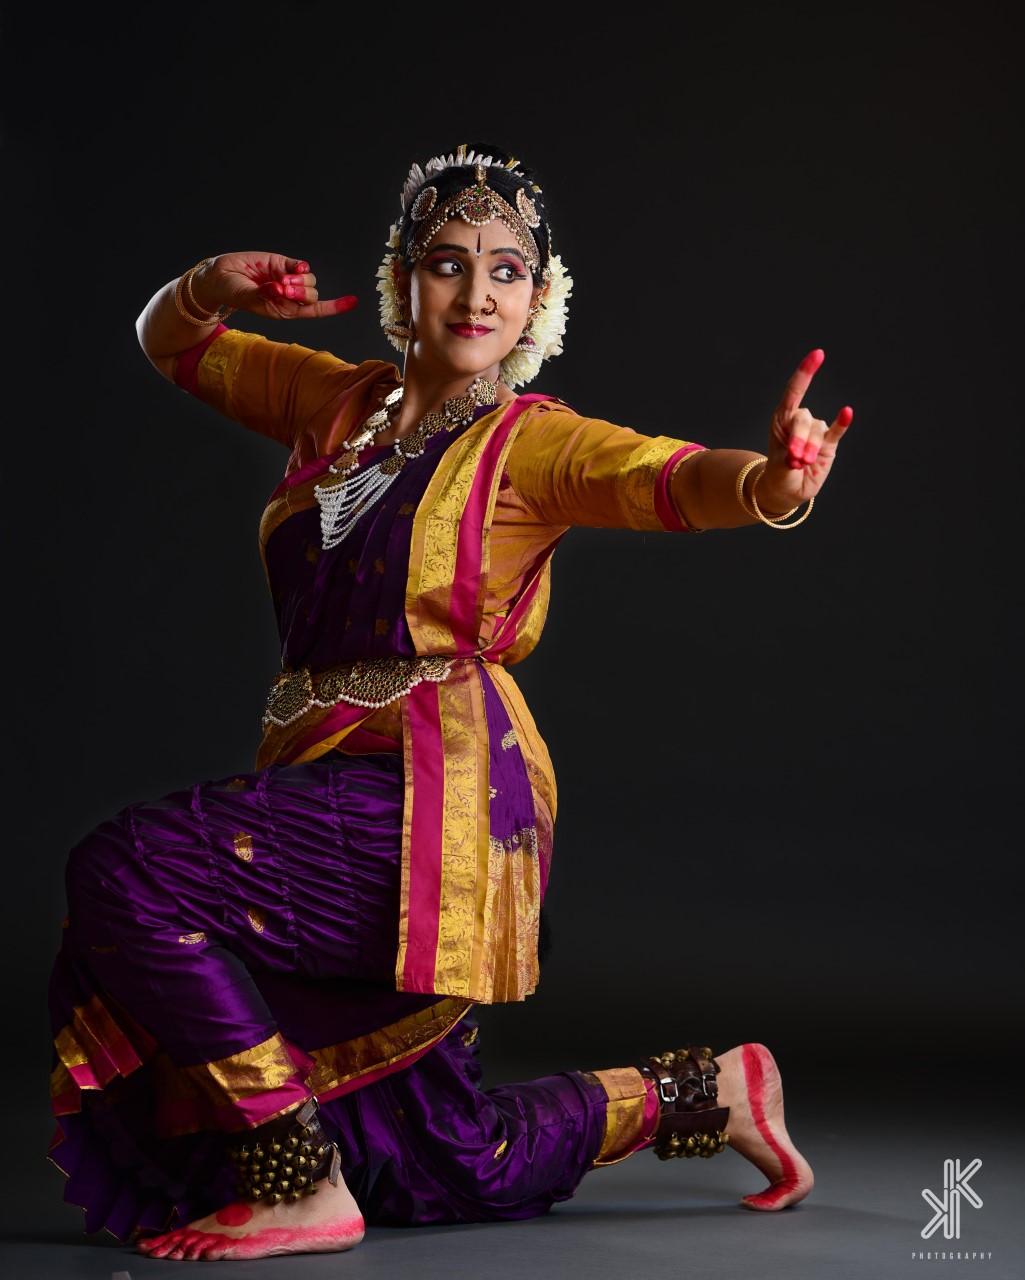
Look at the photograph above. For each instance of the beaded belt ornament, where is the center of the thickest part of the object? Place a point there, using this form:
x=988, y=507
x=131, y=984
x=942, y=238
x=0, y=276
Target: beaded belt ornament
x=365, y=682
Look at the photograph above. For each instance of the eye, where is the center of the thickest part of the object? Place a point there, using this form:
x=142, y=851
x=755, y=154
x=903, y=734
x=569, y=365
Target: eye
x=437, y=263
x=514, y=274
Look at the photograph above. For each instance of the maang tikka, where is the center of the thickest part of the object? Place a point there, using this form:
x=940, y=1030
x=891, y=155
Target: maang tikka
x=476, y=205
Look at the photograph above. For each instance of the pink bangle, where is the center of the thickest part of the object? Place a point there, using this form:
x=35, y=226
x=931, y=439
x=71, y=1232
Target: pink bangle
x=187, y=364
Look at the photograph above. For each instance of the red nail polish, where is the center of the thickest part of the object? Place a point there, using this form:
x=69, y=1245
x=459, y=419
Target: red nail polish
x=812, y=360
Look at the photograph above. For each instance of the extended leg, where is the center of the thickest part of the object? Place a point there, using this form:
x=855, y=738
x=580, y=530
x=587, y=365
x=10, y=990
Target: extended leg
x=429, y=1145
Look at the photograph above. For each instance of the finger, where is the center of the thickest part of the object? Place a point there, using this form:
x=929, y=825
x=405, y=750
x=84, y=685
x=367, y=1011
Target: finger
x=330, y=307
x=303, y=278
x=840, y=424
x=278, y=292
x=795, y=432
x=804, y=448
x=288, y=266
x=297, y=291
x=800, y=380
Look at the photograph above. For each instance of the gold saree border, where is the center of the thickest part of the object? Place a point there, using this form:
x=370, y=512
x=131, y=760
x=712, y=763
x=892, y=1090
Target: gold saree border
x=219, y=363
x=339, y=1064
x=277, y=739
x=434, y=540
x=260, y=1069
x=106, y=1044
x=624, y=1113
x=465, y=836
x=639, y=477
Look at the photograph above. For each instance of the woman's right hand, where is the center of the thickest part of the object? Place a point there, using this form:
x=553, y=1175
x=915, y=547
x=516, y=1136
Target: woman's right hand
x=267, y=284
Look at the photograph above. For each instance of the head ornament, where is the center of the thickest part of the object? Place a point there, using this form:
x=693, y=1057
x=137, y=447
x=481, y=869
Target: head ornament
x=478, y=204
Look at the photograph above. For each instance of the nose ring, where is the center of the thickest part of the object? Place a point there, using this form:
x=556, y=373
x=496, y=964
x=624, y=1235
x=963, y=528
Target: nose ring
x=494, y=306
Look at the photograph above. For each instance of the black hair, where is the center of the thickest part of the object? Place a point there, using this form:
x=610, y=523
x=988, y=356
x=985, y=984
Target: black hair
x=505, y=181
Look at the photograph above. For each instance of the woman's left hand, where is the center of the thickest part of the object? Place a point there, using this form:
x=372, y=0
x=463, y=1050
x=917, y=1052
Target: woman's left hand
x=801, y=447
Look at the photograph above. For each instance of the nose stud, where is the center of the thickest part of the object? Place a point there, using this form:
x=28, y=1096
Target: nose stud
x=475, y=316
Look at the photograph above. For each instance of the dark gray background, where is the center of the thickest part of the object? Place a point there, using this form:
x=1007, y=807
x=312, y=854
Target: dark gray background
x=788, y=766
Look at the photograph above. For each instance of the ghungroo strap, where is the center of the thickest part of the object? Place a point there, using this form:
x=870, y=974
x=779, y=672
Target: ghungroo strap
x=282, y=1159
x=691, y=1122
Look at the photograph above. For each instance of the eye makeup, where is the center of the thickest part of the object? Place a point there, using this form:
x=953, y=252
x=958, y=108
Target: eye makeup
x=432, y=263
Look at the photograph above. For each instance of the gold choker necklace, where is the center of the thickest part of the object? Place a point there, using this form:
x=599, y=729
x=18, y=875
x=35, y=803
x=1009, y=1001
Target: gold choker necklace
x=343, y=500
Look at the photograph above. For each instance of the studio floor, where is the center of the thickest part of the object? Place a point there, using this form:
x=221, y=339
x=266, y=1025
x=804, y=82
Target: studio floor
x=650, y=1219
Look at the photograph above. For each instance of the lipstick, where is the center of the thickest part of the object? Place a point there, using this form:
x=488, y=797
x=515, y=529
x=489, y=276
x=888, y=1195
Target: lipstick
x=469, y=330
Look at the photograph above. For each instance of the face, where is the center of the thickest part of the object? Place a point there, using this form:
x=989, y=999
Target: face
x=469, y=270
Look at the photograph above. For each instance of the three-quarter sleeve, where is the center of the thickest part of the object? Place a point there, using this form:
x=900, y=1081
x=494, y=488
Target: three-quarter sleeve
x=570, y=470
x=273, y=388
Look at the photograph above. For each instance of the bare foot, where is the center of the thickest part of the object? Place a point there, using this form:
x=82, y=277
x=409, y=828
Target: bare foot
x=322, y=1223
x=750, y=1085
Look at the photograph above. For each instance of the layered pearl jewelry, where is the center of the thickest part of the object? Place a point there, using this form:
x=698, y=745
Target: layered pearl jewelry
x=343, y=501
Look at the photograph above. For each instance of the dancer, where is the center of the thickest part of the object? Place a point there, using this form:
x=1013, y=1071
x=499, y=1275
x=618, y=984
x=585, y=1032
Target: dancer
x=263, y=1004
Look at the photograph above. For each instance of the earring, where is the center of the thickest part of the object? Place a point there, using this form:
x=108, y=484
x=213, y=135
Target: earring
x=404, y=329
x=526, y=341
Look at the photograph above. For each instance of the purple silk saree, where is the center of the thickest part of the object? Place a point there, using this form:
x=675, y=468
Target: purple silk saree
x=231, y=947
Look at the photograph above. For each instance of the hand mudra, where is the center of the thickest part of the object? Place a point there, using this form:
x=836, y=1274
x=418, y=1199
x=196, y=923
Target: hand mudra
x=267, y=284
x=801, y=447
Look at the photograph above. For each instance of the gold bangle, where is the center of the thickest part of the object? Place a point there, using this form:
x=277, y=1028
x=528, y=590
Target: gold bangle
x=184, y=285
x=758, y=515
x=757, y=509
x=773, y=521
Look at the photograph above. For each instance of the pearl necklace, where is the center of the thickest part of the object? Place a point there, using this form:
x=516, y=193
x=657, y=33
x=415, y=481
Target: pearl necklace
x=343, y=501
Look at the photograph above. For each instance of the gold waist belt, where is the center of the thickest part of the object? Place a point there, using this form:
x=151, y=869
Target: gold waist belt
x=365, y=682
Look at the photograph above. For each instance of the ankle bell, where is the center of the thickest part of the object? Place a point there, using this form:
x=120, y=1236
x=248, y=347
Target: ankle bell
x=282, y=1159
x=691, y=1122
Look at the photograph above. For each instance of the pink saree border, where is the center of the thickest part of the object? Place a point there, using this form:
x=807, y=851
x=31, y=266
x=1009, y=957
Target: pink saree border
x=665, y=508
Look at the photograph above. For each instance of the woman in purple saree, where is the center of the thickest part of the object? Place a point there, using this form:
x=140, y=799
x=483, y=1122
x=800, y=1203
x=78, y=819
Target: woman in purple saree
x=263, y=1005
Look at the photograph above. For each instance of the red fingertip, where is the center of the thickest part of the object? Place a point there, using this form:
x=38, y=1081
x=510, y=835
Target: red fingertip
x=846, y=415
x=347, y=303
x=812, y=360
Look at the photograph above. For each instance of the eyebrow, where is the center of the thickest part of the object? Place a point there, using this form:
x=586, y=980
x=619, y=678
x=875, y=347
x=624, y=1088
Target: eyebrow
x=461, y=248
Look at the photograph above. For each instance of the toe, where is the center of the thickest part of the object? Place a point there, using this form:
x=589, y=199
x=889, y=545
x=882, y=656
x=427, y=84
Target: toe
x=163, y=1245
x=778, y=1196
x=195, y=1245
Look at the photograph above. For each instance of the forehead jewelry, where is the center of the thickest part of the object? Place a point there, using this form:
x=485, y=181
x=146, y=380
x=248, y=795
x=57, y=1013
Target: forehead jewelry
x=476, y=205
